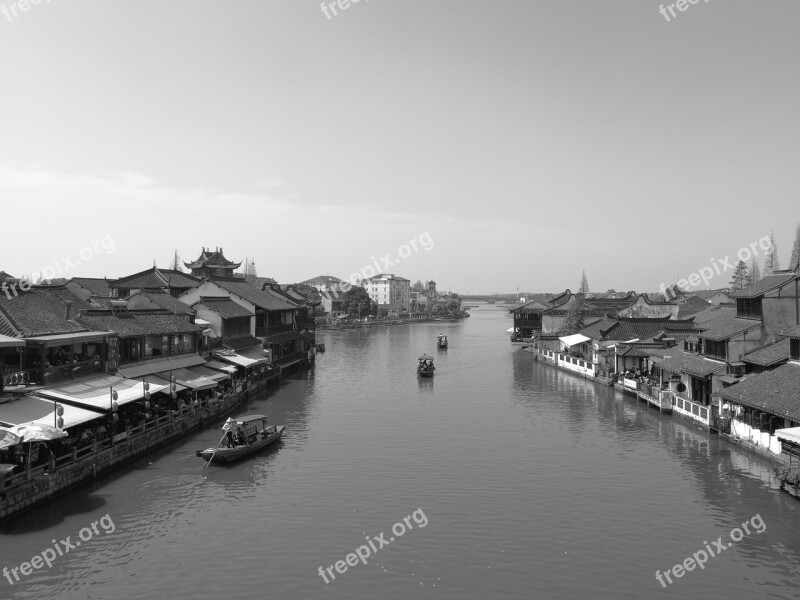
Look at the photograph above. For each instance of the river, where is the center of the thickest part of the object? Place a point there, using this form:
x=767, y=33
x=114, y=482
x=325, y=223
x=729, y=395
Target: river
x=514, y=480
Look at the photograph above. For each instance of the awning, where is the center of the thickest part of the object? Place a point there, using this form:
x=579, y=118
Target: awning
x=729, y=379
x=220, y=366
x=791, y=434
x=158, y=380
x=10, y=342
x=82, y=337
x=96, y=393
x=235, y=358
x=195, y=381
x=212, y=374
x=257, y=354
x=159, y=365
x=33, y=409
x=571, y=340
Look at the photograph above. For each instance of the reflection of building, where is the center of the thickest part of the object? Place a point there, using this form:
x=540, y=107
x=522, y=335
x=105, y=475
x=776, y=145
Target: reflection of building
x=389, y=291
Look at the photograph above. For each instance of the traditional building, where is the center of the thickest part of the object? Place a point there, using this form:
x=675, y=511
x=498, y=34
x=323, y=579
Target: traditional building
x=212, y=264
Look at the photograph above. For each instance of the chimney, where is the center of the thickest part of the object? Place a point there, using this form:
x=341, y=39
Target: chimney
x=68, y=310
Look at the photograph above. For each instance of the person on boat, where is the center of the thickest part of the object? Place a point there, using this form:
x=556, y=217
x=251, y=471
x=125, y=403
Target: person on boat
x=229, y=438
x=240, y=437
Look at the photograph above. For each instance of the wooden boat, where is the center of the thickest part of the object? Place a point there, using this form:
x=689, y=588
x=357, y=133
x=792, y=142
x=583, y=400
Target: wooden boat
x=242, y=437
x=441, y=340
x=425, y=366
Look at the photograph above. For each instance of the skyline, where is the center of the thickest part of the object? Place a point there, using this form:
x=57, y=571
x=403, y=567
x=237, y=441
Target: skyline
x=532, y=142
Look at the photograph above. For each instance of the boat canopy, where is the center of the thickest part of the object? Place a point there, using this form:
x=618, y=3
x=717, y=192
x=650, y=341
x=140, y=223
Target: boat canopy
x=248, y=419
x=425, y=357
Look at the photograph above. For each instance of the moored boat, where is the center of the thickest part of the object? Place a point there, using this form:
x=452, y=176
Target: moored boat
x=441, y=340
x=242, y=437
x=425, y=366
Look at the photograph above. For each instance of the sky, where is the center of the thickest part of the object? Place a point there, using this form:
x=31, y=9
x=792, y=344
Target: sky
x=489, y=146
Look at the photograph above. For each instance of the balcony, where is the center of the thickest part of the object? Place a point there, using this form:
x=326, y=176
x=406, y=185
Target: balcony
x=273, y=329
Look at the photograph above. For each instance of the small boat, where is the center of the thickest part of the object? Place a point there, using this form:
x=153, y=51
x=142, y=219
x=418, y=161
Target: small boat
x=425, y=367
x=242, y=437
x=442, y=340
x=321, y=347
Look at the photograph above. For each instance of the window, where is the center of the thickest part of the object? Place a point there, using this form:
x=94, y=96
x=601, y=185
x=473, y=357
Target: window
x=748, y=308
x=715, y=349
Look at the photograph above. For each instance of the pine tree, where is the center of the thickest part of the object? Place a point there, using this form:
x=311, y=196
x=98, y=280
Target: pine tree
x=574, y=319
x=771, y=262
x=755, y=272
x=795, y=249
x=584, y=287
x=740, y=276
x=175, y=265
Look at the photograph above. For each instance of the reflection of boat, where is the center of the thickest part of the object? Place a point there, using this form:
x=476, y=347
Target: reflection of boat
x=442, y=340
x=320, y=347
x=425, y=367
x=242, y=437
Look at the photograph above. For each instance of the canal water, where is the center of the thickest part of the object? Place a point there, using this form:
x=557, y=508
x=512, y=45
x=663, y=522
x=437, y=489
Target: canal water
x=514, y=481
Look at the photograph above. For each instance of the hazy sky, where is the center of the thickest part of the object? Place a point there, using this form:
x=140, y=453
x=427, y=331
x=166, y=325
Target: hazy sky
x=525, y=140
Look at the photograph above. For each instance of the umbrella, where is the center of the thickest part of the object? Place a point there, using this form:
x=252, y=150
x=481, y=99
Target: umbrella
x=41, y=432
x=8, y=438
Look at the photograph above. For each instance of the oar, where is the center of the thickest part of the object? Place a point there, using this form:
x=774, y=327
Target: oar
x=215, y=449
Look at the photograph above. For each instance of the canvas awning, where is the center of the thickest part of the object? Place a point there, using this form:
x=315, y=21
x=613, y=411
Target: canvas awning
x=258, y=354
x=159, y=365
x=238, y=358
x=162, y=379
x=220, y=366
x=791, y=434
x=571, y=340
x=10, y=342
x=37, y=410
x=96, y=393
x=193, y=380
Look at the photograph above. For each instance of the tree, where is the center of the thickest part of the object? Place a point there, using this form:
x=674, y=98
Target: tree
x=740, y=276
x=418, y=286
x=175, y=265
x=452, y=305
x=250, y=274
x=573, y=322
x=584, y=287
x=793, y=262
x=755, y=272
x=356, y=302
x=771, y=262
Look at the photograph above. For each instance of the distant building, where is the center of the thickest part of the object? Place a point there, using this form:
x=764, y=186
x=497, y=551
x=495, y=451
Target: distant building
x=389, y=291
x=212, y=264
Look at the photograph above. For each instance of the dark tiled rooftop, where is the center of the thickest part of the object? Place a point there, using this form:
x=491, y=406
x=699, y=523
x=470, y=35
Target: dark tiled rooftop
x=776, y=391
x=768, y=355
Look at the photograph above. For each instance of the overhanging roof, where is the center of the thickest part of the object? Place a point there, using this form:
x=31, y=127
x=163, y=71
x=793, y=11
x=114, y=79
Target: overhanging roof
x=96, y=393
x=81, y=336
x=10, y=342
x=33, y=409
x=159, y=365
x=577, y=338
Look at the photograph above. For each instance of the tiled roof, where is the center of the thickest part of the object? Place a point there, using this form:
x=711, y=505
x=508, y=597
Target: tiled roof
x=534, y=306
x=252, y=294
x=636, y=328
x=725, y=326
x=40, y=311
x=5, y=276
x=96, y=285
x=323, y=280
x=224, y=307
x=150, y=278
x=214, y=259
x=765, y=285
x=691, y=364
x=768, y=355
x=776, y=391
x=794, y=332
x=179, y=279
x=706, y=294
x=136, y=324
x=171, y=303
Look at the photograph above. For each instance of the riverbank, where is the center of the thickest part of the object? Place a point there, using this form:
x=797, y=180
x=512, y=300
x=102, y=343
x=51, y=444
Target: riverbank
x=37, y=485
